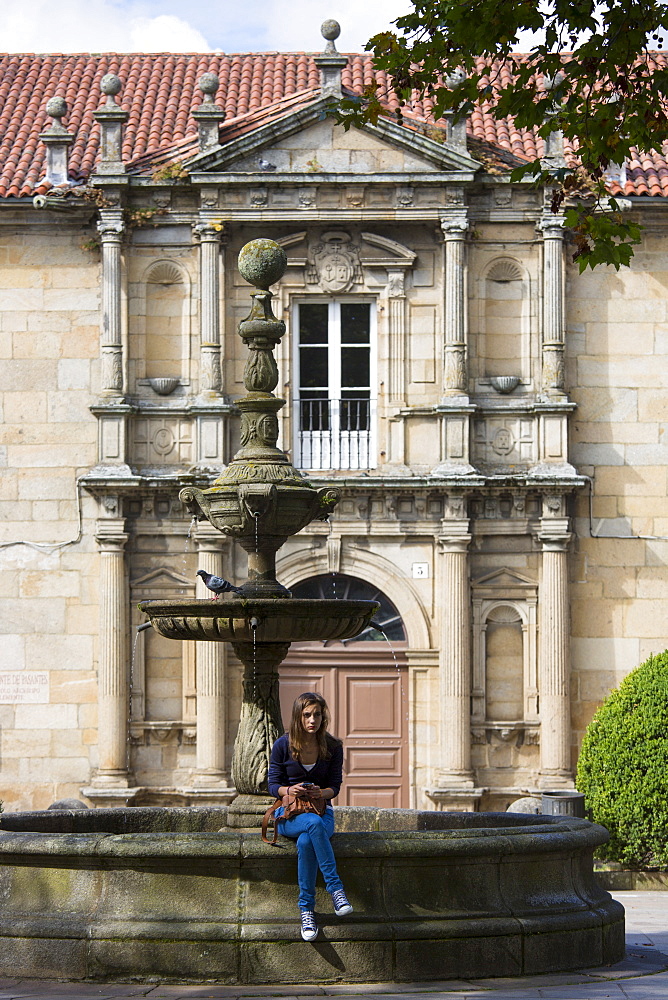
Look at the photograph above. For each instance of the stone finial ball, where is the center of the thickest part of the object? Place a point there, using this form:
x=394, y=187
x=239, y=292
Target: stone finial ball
x=262, y=263
x=208, y=83
x=110, y=85
x=56, y=107
x=330, y=29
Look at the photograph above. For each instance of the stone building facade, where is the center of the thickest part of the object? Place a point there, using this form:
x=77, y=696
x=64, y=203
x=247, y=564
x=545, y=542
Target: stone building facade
x=494, y=419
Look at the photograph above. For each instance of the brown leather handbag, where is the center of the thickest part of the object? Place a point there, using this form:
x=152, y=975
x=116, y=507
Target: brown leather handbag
x=292, y=806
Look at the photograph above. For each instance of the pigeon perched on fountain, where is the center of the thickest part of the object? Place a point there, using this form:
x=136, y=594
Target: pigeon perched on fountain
x=216, y=584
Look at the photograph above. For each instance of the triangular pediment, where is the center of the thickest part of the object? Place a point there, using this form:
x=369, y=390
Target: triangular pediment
x=162, y=578
x=305, y=141
x=504, y=579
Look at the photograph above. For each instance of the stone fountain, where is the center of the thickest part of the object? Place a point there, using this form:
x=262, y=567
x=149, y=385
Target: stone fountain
x=260, y=500
x=173, y=894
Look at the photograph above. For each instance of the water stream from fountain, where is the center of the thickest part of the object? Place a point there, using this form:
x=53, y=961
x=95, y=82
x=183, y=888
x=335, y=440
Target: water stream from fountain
x=333, y=572
x=131, y=678
x=187, y=548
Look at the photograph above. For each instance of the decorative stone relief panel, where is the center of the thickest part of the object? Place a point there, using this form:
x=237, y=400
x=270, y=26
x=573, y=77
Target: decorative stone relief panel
x=505, y=440
x=164, y=440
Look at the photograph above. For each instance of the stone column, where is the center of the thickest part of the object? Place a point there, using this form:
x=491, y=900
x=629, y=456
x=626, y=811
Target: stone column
x=211, y=673
x=114, y=657
x=554, y=668
x=551, y=228
x=210, y=375
x=454, y=643
x=455, y=375
x=111, y=229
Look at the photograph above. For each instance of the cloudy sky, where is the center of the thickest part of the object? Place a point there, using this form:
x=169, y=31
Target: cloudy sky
x=171, y=25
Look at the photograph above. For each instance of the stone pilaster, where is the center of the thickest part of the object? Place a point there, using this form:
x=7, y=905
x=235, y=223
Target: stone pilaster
x=552, y=231
x=454, y=642
x=114, y=657
x=212, y=766
x=209, y=242
x=455, y=375
x=554, y=667
x=111, y=230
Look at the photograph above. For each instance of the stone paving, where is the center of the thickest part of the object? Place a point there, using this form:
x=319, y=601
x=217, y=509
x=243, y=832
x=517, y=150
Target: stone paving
x=643, y=975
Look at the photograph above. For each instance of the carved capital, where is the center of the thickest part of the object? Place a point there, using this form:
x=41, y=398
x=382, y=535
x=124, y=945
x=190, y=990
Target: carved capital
x=207, y=232
x=551, y=227
x=554, y=533
x=110, y=532
x=454, y=227
x=111, y=228
x=396, y=283
x=454, y=535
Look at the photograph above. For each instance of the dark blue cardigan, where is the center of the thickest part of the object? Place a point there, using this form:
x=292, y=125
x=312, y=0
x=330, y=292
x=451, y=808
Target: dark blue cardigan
x=283, y=770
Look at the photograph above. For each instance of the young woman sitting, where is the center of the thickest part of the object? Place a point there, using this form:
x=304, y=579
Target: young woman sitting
x=307, y=756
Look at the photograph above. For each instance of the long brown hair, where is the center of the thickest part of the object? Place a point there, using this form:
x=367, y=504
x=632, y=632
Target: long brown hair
x=296, y=732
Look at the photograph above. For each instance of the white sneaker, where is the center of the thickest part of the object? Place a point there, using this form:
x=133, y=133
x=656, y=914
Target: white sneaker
x=309, y=926
x=341, y=905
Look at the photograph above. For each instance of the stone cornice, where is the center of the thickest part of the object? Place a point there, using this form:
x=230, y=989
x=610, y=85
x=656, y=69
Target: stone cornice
x=284, y=178
x=465, y=484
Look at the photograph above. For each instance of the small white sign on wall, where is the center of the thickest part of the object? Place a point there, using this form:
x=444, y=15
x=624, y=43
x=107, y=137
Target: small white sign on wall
x=420, y=571
x=24, y=687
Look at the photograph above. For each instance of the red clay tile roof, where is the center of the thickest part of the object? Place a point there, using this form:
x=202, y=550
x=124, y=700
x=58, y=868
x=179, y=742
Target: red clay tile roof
x=160, y=90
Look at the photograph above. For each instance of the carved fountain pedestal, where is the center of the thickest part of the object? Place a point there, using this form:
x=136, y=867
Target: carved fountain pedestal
x=260, y=500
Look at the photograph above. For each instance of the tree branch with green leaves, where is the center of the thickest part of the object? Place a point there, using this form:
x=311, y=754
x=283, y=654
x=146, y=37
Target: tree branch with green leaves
x=590, y=76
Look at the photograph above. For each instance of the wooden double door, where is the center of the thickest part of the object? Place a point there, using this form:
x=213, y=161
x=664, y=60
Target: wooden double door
x=367, y=695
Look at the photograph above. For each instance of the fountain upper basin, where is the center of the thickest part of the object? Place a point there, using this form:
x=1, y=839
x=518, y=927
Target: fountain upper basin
x=291, y=620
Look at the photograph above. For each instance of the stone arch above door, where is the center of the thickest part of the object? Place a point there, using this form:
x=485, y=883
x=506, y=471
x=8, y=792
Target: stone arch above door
x=340, y=586
x=370, y=567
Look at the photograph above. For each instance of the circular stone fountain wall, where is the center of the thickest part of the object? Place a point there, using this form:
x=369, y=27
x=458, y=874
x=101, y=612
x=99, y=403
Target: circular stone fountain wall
x=173, y=894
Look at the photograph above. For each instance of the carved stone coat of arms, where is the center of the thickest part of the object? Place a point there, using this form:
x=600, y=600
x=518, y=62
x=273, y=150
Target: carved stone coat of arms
x=334, y=263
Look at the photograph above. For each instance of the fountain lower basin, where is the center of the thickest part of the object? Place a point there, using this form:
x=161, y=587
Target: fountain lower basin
x=259, y=619
x=173, y=894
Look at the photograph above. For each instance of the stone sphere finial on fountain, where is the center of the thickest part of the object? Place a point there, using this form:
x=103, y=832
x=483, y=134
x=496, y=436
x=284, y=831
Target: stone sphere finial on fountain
x=262, y=263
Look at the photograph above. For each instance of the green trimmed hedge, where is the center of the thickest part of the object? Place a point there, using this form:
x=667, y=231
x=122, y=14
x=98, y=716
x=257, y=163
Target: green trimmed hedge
x=623, y=767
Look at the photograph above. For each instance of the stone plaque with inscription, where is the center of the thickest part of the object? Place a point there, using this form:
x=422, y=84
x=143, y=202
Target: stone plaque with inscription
x=24, y=687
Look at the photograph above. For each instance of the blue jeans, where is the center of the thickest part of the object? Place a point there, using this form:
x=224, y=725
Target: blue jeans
x=312, y=833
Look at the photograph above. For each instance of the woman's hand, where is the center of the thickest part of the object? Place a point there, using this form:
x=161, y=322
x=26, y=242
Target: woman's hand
x=301, y=789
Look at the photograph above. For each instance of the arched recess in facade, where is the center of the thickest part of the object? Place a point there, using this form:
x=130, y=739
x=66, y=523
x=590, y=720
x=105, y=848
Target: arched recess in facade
x=370, y=567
